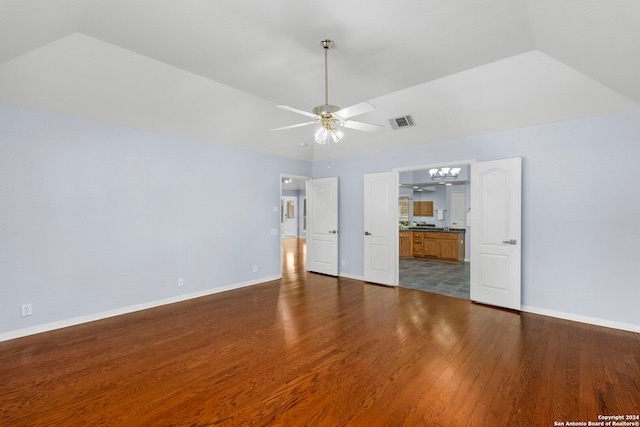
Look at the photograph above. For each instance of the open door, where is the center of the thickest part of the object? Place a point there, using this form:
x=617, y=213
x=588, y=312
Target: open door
x=381, y=228
x=322, y=226
x=495, y=232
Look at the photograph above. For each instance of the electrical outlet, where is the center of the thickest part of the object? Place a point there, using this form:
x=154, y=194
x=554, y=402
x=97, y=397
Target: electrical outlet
x=343, y=263
x=255, y=268
x=26, y=310
x=180, y=281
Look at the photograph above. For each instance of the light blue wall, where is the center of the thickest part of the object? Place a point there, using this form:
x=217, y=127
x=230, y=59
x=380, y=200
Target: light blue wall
x=579, y=224
x=439, y=199
x=95, y=217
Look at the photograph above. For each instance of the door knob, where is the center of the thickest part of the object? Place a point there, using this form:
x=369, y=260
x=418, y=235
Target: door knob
x=366, y=233
x=510, y=242
x=333, y=231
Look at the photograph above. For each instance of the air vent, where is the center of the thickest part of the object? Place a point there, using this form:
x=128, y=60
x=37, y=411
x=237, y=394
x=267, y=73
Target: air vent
x=402, y=122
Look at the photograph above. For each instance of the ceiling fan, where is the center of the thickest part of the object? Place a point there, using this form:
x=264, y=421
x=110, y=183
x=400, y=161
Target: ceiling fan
x=329, y=116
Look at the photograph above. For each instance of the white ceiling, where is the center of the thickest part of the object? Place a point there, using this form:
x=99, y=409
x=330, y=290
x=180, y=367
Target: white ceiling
x=215, y=70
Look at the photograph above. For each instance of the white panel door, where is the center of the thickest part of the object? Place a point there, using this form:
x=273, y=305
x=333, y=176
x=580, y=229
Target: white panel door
x=289, y=218
x=381, y=228
x=322, y=225
x=495, y=232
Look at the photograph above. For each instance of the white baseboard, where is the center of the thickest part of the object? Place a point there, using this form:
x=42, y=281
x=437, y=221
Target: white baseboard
x=582, y=319
x=351, y=276
x=46, y=327
x=144, y=306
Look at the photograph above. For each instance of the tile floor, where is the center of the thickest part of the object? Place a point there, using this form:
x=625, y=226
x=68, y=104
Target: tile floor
x=433, y=276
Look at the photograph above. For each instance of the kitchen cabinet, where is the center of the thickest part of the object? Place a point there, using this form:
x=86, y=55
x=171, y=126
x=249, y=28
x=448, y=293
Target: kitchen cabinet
x=441, y=246
x=430, y=247
x=417, y=243
x=449, y=250
x=406, y=244
x=423, y=208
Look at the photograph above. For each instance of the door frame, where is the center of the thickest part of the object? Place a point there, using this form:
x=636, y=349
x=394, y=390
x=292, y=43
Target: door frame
x=467, y=162
x=276, y=210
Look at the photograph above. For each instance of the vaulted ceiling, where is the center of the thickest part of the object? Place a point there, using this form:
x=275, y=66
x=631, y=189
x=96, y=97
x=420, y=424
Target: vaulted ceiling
x=215, y=70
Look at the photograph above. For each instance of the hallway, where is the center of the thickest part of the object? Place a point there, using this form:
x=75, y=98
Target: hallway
x=294, y=254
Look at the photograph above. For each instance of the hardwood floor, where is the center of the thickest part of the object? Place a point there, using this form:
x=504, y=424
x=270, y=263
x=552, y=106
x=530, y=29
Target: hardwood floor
x=320, y=351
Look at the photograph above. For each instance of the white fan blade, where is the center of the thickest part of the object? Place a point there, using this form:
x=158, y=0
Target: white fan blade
x=367, y=127
x=355, y=110
x=295, y=110
x=295, y=126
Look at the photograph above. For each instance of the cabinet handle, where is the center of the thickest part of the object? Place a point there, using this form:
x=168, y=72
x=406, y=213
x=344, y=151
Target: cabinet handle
x=510, y=242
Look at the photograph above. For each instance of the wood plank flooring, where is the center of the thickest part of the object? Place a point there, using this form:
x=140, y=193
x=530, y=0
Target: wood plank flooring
x=314, y=350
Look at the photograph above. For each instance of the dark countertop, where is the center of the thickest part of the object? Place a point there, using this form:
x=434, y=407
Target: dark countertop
x=435, y=229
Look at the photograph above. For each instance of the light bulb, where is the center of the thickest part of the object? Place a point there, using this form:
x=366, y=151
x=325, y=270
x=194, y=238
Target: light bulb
x=321, y=136
x=336, y=135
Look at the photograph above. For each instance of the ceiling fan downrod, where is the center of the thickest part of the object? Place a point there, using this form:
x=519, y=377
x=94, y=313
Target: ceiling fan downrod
x=326, y=111
x=326, y=44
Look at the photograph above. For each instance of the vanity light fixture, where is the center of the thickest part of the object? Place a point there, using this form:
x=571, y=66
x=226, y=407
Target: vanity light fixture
x=444, y=173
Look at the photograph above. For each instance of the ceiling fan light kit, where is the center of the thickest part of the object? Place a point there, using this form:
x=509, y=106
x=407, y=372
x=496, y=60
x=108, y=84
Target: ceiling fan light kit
x=328, y=116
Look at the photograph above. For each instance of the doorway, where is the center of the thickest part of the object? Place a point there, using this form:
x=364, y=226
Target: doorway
x=495, y=275
x=293, y=222
x=431, y=208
